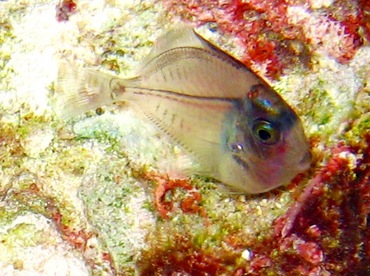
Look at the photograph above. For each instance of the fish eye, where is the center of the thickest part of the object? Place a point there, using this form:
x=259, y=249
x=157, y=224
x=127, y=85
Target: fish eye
x=265, y=132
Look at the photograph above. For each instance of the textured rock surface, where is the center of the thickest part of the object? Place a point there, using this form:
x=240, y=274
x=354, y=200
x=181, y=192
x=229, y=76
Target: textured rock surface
x=92, y=195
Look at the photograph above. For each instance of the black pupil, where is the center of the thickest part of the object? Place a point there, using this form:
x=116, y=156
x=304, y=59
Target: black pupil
x=264, y=134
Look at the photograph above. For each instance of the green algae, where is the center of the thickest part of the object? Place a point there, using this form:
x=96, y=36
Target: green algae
x=24, y=235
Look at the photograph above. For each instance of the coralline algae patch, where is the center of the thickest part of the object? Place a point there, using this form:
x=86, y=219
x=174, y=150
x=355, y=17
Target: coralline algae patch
x=91, y=195
x=278, y=34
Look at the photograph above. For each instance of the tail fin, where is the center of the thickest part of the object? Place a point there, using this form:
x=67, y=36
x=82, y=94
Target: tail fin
x=79, y=90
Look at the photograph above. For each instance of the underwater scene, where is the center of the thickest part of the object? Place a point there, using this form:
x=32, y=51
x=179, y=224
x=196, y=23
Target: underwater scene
x=177, y=137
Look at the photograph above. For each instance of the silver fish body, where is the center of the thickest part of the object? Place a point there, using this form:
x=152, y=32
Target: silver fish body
x=238, y=128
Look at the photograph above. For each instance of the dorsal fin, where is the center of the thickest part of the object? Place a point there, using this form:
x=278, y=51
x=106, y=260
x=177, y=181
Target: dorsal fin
x=185, y=63
x=183, y=36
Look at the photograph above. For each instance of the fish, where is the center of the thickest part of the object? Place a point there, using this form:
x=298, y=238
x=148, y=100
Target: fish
x=236, y=126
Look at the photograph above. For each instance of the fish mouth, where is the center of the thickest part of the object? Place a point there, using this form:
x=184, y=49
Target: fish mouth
x=241, y=162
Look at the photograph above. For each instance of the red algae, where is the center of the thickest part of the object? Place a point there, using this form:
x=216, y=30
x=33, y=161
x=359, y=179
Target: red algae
x=268, y=31
x=180, y=260
x=79, y=239
x=365, y=17
x=64, y=9
x=326, y=230
x=165, y=186
x=324, y=233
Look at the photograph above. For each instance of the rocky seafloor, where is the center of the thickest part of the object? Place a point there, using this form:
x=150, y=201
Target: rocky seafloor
x=103, y=193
